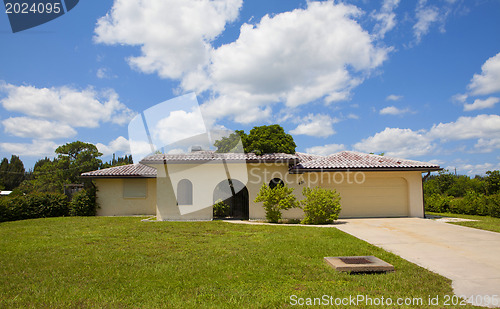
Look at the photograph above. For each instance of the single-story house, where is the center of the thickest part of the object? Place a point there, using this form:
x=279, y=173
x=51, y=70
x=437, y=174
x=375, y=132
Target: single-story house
x=185, y=186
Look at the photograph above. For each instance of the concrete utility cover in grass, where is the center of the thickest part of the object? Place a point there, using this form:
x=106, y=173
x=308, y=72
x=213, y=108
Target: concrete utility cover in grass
x=359, y=264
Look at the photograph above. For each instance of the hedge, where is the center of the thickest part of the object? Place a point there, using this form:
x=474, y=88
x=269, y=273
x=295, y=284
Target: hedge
x=44, y=205
x=472, y=203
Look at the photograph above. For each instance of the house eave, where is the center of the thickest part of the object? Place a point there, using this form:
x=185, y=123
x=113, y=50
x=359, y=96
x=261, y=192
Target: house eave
x=371, y=169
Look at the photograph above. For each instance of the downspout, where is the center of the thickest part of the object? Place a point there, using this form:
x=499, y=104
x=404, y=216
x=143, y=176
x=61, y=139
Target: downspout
x=423, y=197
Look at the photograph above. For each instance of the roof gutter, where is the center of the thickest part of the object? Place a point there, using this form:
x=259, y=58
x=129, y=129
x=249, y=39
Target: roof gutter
x=423, y=197
x=372, y=169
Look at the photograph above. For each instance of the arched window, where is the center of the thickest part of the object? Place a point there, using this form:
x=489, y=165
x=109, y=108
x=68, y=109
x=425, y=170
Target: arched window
x=185, y=192
x=276, y=182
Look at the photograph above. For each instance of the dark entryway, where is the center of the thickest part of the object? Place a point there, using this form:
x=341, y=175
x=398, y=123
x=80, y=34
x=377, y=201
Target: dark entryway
x=234, y=194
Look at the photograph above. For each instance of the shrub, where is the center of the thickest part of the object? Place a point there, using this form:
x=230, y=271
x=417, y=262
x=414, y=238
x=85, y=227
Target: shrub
x=221, y=209
x=438, y=202
x=472, y=203
x=34, y=205
x=83, y=203
x=275, y=200
x=320, y=205
x=494, y=205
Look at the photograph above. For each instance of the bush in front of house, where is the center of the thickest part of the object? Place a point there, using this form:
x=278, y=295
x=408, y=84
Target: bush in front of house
x=33, y=205
x=83, y=203
x=221, y=209
x=275, y=200
x=320, y=205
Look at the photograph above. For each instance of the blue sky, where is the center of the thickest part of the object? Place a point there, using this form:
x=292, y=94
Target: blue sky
x=414, y=79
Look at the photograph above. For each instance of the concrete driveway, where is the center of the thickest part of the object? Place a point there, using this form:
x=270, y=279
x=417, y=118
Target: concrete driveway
x=469, y=257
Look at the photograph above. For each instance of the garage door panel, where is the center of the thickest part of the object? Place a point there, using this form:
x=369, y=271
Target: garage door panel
x=387, y=197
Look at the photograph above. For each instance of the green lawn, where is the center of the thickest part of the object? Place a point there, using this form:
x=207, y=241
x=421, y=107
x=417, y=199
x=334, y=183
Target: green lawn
x=125, y=263
x=484, y=222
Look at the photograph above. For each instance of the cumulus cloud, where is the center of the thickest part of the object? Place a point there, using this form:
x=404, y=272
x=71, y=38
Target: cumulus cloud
x=316, y=125
x=409, y=143
x=326, y=149
x=36, y=148
x=120, y=144
x=174, y=128
x=35, y=128
x=487, y=144
x=317, y=53
x=481, y=104
x=398, y=143
x=77, y=108
x=394, y=97
x=385, y=18
x=481, y=126
x=488, y=81
x=393, y=110
x=475, y=169
x=174, y=36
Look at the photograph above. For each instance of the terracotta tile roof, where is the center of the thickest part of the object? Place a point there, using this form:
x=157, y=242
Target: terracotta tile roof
x=130, y=170
x=205, y=156
x=360, y=161
x=305, y=157
x=345, y=160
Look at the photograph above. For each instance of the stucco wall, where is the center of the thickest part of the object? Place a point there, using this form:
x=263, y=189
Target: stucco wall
x=363, y=194
x=382, y=193
x=112, y=202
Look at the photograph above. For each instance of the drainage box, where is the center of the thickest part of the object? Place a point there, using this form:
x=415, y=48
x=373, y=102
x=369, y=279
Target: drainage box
x=359, y=264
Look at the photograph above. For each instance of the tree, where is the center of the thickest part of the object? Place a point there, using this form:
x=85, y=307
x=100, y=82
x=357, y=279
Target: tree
x=231, y=143
x=493, y=181
x=73, y=159
x=118, y=162
x=76, y=158
x=260, y=140
x=4, y=166
x=275, y=200
x=11, y=173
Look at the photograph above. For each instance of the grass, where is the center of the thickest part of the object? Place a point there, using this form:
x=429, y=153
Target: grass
x=483, y=223
x=125, y=263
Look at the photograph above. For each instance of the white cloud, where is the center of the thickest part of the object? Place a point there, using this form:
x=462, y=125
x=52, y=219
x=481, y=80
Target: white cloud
x=460, y=97
x=487, y=144
x=179, y=125
x=326, y=149
x=426, y=17
x=488, y=81
x=481, y=104
x=317, y=53
x=103, y=73
x=352, y=116
x=174, y=36
x=386, y=18
x=120, y=144
x=475, y=169
x=319, y=125
x=77, y=108
x=393, y=110
x=35, y=149
x=481, y=126
x=35, y=128
x=394, y=97
x=398, y=143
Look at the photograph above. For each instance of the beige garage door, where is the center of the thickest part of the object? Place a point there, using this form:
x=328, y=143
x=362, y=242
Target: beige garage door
x=384, y=197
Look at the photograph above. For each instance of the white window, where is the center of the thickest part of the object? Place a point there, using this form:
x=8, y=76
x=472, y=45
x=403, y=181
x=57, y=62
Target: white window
x=134, y=188
x=185, y=192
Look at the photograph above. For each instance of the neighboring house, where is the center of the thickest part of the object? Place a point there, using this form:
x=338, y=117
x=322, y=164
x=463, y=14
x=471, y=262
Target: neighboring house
x=184, y=186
